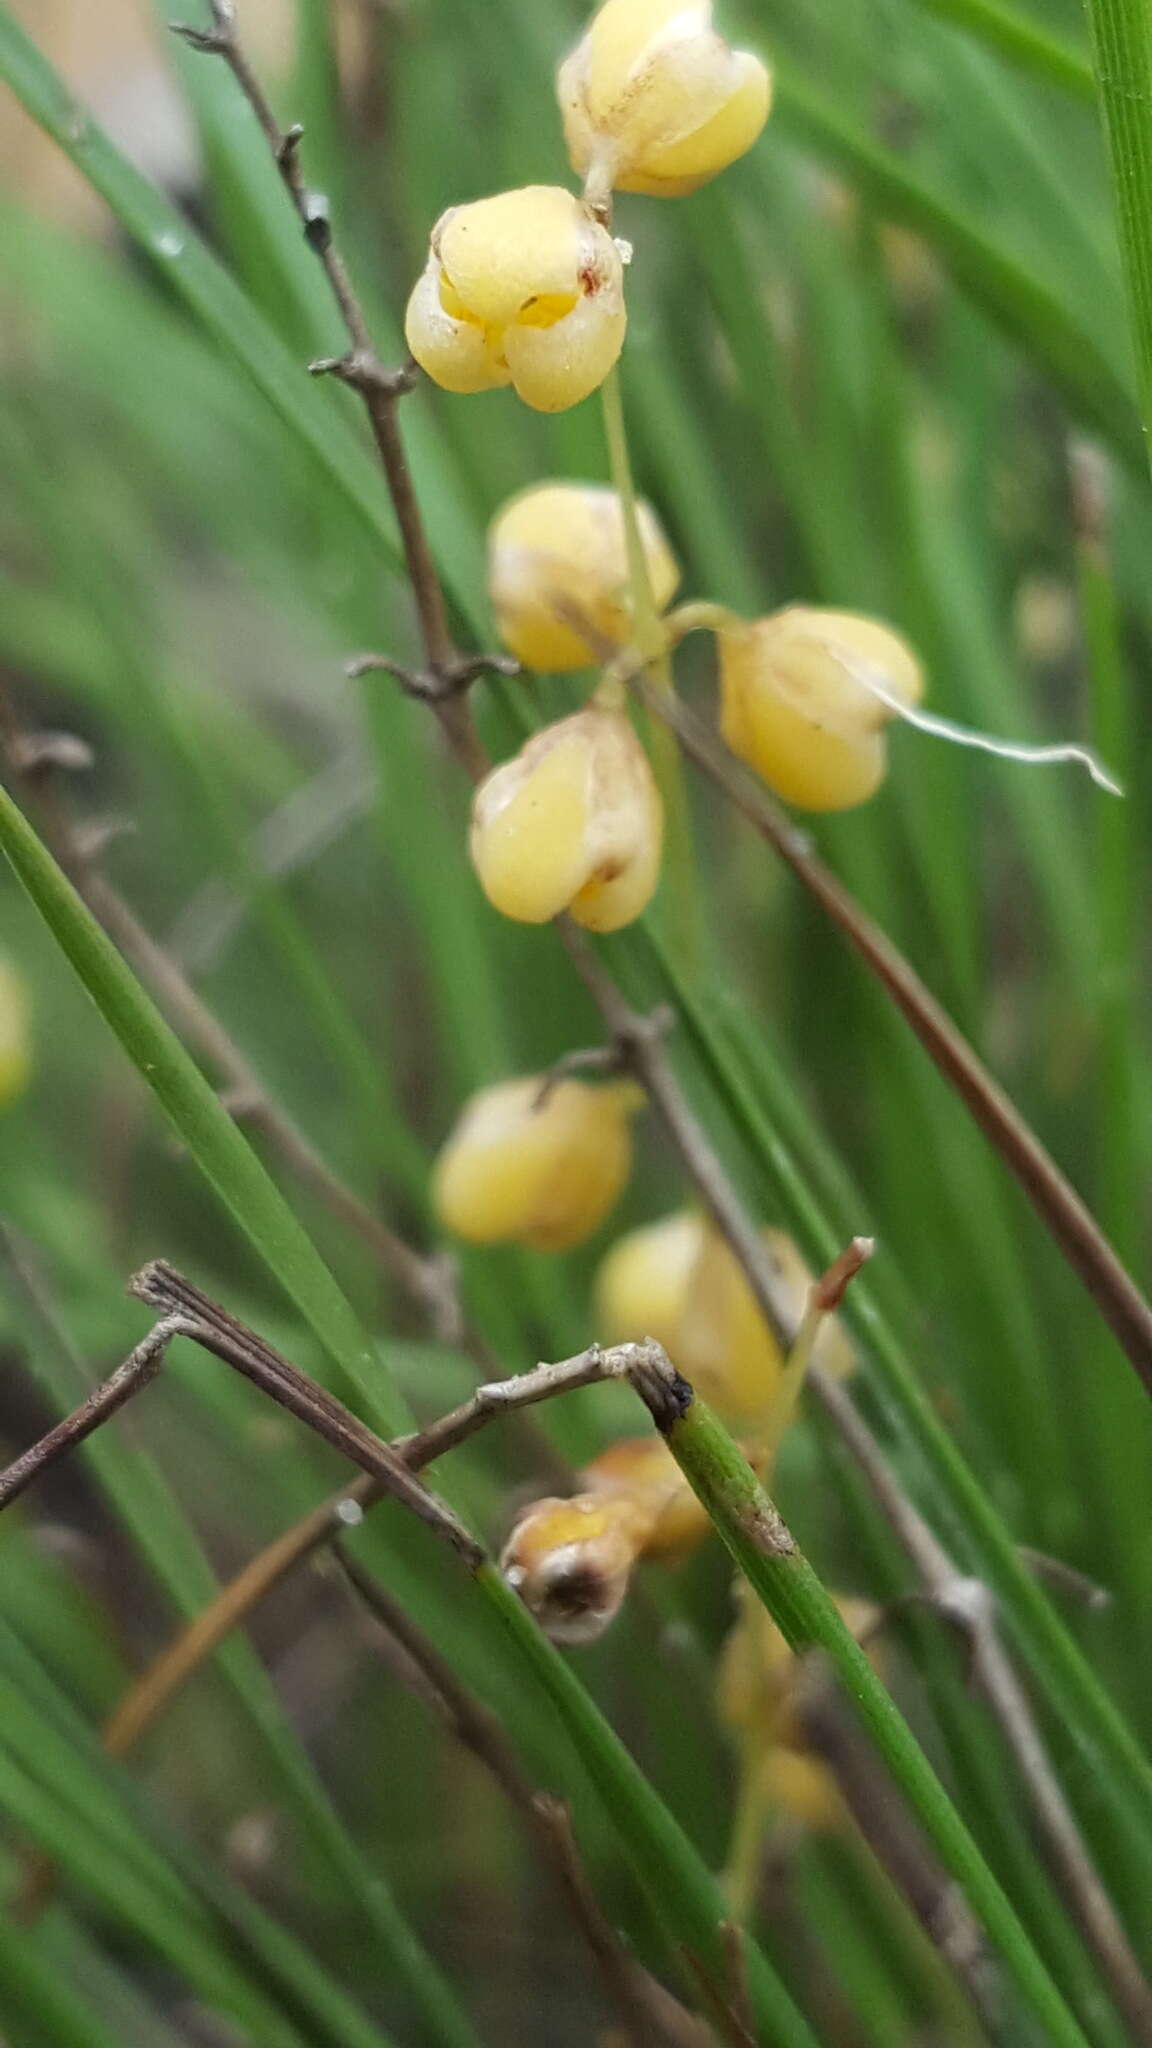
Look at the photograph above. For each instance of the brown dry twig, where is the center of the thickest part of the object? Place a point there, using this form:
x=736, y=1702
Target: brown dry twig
x=445, y=673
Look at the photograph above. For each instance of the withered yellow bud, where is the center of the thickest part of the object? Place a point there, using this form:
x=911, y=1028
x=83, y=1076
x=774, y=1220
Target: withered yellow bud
x=15, y=1048
x=523, y=289
x=574, y=822
x=571, y=1561
x=653, y=100
x=557, y=552
x=520, y=1171
x=800, y=703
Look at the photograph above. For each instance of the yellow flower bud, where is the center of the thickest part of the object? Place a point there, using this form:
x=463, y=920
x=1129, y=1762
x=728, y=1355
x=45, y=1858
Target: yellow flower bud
x=523, y=289
x=797, y=706
x=653, y=100
x=560, y=548
x=573, y=822
x=679, y=1282
x=15, y=1052
x=520, y=1171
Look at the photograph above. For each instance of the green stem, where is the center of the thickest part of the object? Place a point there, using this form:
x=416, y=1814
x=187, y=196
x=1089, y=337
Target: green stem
x=1122, y=53
x=784, y=1581
x=650, y=642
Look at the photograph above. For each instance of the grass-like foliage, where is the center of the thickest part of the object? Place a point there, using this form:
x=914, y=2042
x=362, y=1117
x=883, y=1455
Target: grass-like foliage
x=429, y=947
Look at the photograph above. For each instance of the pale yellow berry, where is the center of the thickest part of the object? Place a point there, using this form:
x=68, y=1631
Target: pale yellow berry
x=653, y=100
x=15, y=1046
x=556, y=553
x=679, y=1282
x=643, y=1283
x=800, y=702
x=542, y=1173
x=523, y=289
x=573, y=822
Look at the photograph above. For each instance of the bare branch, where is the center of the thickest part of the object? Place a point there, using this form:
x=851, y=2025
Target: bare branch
x=379, y=388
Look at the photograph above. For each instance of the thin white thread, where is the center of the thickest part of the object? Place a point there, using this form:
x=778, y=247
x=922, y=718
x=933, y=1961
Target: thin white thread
x=864, y=673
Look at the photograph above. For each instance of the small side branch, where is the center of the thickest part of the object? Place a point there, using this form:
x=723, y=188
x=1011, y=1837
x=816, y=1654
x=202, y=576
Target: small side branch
x=140, y=1366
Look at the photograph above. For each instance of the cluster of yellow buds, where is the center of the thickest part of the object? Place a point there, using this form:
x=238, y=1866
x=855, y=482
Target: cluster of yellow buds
x=558, y=560
x=15, y=1052
x=575, y=821
x=805, y=698
x=678, y=1281
x=536, y=1163
x=527, y=287
x=758, y=1696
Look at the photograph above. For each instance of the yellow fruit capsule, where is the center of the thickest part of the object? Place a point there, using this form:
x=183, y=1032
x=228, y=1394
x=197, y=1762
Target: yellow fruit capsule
x=520, y=1171
x=797, y=705
x=15, y=1050
x=558, y=550
x=523, y=289
x=573, y=822
x=571, y=1561
x=653, y=100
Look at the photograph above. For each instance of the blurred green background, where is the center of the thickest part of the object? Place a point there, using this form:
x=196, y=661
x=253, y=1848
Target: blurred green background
x=883, y=363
